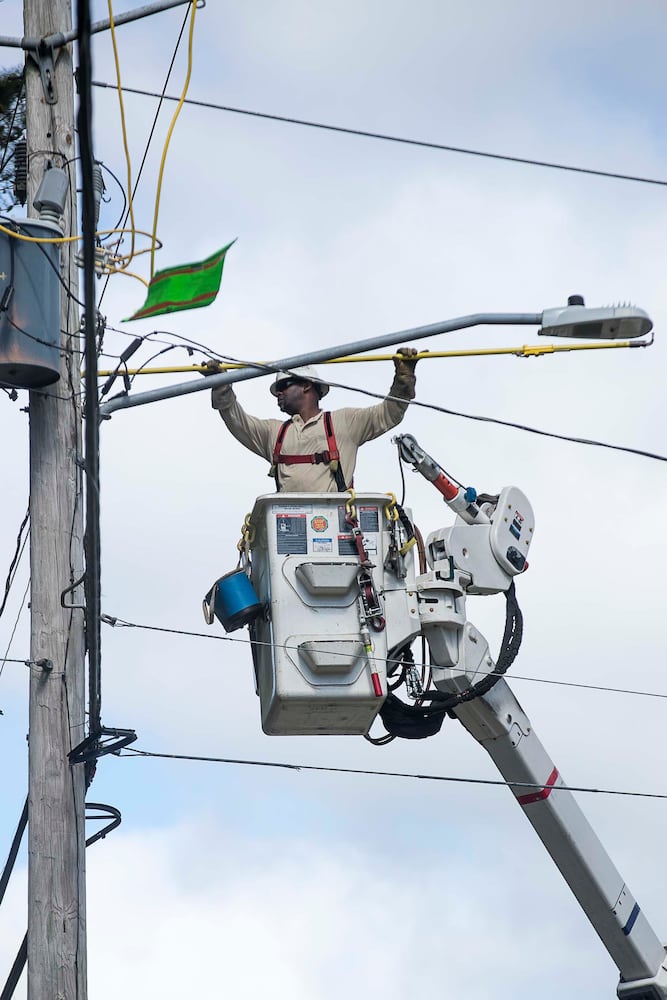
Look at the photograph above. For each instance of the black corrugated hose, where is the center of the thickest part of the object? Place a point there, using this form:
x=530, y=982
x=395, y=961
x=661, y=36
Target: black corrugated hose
x=416, y=723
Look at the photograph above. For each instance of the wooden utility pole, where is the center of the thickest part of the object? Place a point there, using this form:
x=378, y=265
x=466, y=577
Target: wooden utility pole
x=56, y=844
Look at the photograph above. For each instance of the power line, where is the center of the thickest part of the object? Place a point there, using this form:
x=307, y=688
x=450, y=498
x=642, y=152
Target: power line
x=591, y=442
x=16, y=558
x=131, y=751
x=423, y=144
x=16, y=623
x=120, y=623
x=13, y=850
x=489, y=420
x=132, y=193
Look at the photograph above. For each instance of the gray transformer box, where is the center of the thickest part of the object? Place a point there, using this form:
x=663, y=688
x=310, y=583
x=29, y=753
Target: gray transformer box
x=312, y=670
x=30, y=296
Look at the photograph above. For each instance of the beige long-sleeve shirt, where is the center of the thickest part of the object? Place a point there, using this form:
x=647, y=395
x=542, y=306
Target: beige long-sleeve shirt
x=352, y=428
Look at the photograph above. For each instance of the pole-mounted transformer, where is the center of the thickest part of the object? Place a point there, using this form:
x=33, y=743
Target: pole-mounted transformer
x=30, y=289
x=29, y=305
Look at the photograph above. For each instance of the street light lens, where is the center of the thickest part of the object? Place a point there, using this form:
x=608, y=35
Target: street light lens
x=606, y=323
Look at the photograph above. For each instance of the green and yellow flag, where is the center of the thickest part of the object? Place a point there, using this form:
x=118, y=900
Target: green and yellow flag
x=189, y=286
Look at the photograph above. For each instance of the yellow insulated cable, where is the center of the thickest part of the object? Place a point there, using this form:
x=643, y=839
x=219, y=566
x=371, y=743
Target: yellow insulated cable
x=75, y=239
x=123, y=129
x=170, y=131
x=525, y=351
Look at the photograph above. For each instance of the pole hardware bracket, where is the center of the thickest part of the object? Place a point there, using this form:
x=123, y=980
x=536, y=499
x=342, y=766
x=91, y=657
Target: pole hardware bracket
x=45, y=53
x=100, y=743
x=69, y=590
x=102, y=811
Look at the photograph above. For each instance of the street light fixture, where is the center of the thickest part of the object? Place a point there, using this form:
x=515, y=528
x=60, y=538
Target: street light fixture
x=609, y=323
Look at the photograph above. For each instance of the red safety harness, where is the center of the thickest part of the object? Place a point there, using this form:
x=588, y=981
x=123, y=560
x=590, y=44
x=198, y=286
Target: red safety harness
x=331, y=456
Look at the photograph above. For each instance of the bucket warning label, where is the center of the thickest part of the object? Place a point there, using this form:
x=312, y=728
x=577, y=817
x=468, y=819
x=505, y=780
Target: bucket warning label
x=368, y=519
x=346, y=546
x=291, y=534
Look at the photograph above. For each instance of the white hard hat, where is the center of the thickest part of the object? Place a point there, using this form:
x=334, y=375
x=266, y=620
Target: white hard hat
x=306, y=374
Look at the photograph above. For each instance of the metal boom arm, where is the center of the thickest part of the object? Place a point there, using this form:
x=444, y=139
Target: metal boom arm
x=480, y=554
x=497, y=721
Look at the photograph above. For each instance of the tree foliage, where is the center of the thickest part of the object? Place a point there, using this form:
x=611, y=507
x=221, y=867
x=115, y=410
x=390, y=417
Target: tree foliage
x=12, y=127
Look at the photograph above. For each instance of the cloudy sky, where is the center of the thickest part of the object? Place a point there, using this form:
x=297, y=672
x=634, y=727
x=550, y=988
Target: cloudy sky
x=245, y=879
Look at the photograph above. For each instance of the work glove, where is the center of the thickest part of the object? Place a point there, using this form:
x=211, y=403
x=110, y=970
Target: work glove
x=210, y=368
x=222, y=396
x=405, y=364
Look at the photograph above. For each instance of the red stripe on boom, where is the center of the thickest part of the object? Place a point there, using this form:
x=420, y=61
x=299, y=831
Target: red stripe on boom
x=447, y=488
x=544, y=793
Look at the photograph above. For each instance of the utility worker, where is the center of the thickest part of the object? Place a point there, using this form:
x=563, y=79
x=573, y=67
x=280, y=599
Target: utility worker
x=315, y=451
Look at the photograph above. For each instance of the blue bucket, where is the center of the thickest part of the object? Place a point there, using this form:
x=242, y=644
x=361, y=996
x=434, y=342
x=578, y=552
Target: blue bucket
x=233, y=601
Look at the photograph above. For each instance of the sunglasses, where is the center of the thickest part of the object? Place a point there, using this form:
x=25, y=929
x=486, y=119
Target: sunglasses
x=286, y=383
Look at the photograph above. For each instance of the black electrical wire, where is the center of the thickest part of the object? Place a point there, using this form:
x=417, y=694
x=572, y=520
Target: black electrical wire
x=16, y=971
x=22, y=956
x=13, y=224
x=38, y=340
x=413, y=402
x=491, y=420
x=92, y=582
x=501, y=423
x=121, y=366
x=525, y=161
x=74, y=383
x=120, y=223
x=420, y=721
x=164, y=350
x=121, y=623
x=150, y=134
x=4, y=659
x=132, y=752
x=470, y=416
x=15, y=558
x=68, y=291
x=13, y=851
x=177, y=341
x=511, y=642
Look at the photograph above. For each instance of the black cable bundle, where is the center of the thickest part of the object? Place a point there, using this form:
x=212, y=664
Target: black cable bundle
x=413, y=722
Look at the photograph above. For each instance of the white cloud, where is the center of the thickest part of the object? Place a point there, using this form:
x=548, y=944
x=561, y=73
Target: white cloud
x=314, y=886
x=260, y=914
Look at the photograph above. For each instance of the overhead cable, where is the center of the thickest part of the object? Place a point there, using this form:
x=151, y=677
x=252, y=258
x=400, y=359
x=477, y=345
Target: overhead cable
x=186, y=343
x=13, y=850
x=525, y=161
x=121, y=623
x=21, y=958
x=92, y=547
x=483, y=419
x=123, y=129
x=131, y=751
x=489, y=420
x=5, y=659
x=133, y=192
x=181, y=101
x=16, y=558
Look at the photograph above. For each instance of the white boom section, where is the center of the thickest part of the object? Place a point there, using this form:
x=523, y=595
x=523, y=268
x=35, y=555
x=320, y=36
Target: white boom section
x=479, y=555
x=497, y=721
